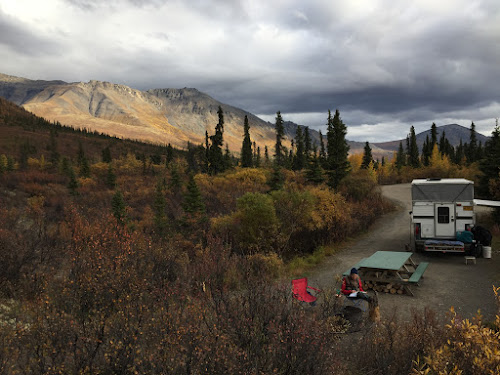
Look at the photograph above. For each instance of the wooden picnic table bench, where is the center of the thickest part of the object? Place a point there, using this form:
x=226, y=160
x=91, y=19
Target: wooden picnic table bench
x=390, y=268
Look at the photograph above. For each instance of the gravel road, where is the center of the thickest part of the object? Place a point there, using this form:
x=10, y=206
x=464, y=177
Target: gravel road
x=447, y=281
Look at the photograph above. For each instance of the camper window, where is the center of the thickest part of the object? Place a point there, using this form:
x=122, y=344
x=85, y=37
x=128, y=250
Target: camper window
x=443, y=215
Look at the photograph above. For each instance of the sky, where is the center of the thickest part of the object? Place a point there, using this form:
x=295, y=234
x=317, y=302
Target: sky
x=385, y=65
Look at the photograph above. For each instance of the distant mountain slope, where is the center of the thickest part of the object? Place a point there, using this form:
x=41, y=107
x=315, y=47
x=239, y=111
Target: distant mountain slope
x=453, y=132
x=161, y=115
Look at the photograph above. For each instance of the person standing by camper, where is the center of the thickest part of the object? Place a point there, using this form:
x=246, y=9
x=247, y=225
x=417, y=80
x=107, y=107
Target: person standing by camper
x=352, y=286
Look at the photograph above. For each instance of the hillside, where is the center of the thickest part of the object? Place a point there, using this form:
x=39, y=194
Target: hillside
x=454, y=133
x=173, y=116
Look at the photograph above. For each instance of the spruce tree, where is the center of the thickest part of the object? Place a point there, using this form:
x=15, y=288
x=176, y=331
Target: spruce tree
x=257, y=158
x=314, y=172
x=459, y=153
x=175, y=179
x=307, y=143
x=216, y=162
x=73, y=182
x=246, y=147
x=54, y=153
x=433, y=136
x=80, y=154
x=228, y=163
x=299, y=158
x=279, y=156
x=277, y=179
x=338, y=149
x=400, y=157
x=3, y=164
x=367, y=156
x=106, y=155
x=193, y=200
x=322, y=151
x=472, y=149
x=413, y=154
x=490, y=164
x=160, y=204
x=170, y=155
x=118, y=207
x=85, y=168
x=110, y=178
x=266, y=156
x=11, y=164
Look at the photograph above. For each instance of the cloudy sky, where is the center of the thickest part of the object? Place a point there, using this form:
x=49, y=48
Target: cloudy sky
x=386, y=65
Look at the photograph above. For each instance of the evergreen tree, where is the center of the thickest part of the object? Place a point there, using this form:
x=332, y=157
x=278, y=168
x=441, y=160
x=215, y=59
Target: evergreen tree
x=490, y=164
x=279, y=156
x=472, y=149
x=11, y=165
x=160, y=204
x=206, y=168
x=216, y=158
x=73, y=182
x=118, y=207
x=106, y=155
x=433, y=136
x=314, y=172
x=25, y=150
x=299, y=159
x=322, y=151
x=80, y=156
x=442, y=143
x=400, y=157
x=307, y=143
x=266, y=156
x=338, y=149
x=54, y=153
x=228, y=164
x=367, y=156
x=426, y=150
x=110, y=178
x=193, y=201
x=175, y=179
x=170, y=155
x=413, y=155
x=277, y=179
x=3, y=164
x=246, y=147
x=85, y=168
x=383, y=161
x=257, y=158
x=459, y=153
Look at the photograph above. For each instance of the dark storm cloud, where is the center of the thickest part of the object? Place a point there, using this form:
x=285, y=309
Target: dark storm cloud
x=380, y=62
x=20, y=38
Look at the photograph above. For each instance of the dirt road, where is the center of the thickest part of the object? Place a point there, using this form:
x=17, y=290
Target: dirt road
x=447, y=281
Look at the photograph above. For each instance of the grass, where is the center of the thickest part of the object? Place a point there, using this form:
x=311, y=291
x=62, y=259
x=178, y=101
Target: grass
x=300, y=265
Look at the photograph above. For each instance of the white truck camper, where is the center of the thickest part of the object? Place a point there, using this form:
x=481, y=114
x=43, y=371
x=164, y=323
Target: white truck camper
x=440, y=209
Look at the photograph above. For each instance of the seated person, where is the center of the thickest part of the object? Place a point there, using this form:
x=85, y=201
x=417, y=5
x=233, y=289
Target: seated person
x=352, y=284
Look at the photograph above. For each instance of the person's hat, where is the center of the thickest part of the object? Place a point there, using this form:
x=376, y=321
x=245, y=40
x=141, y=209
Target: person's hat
x=354, y=270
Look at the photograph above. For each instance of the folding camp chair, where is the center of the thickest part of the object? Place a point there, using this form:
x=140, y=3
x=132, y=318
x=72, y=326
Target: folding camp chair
x=300, y=293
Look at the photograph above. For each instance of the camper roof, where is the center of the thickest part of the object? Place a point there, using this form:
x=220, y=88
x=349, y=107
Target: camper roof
x=432, y=181
x=442, y=190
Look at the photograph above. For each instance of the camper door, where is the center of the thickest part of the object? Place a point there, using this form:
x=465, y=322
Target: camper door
x=445, y=220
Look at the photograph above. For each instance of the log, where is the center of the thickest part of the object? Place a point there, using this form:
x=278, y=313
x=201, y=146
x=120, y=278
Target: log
x=389, y=286
x=393, y=290
x=400, y=291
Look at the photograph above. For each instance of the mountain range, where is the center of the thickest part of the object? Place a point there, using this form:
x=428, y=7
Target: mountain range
x=168, y=115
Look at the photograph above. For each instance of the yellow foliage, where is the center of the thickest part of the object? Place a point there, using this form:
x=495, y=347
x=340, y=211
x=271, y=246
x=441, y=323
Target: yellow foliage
x=129, y=164
x=470, y=348
x=33, y=163
x=329, y=209
x=355, y=160
x=99, y=169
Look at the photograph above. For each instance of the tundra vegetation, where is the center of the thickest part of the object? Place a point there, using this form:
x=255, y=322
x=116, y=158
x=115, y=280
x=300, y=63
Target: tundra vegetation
x=124, y=257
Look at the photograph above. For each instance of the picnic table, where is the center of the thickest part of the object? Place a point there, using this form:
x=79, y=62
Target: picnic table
x=393, y=268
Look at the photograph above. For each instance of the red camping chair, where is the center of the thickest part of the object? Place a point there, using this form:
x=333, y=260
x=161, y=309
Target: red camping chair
x=300, y=293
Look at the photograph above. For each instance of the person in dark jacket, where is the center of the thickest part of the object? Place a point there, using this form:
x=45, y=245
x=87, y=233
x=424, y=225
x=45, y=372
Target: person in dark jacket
x=352, y=284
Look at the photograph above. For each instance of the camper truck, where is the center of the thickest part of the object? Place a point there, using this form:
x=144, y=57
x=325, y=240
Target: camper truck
x=440, y=209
